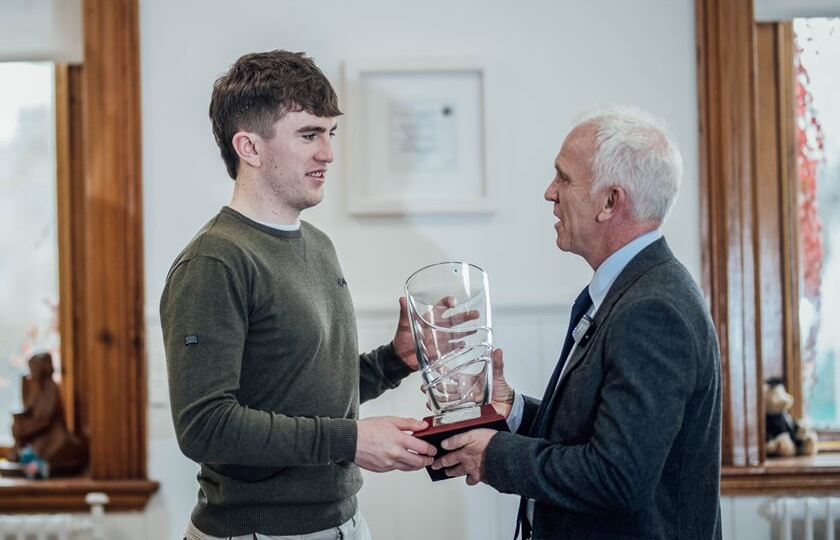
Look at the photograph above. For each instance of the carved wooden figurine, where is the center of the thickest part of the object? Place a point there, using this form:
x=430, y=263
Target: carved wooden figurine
x=41, y=425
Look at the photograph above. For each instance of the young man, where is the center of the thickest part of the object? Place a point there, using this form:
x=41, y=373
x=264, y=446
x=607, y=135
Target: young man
x=626, y=440
x=264, y=371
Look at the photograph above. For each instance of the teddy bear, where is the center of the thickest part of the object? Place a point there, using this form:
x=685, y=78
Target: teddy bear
x=785, y=436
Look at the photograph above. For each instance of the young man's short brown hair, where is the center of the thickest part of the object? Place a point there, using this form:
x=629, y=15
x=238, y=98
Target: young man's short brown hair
x=259, y=89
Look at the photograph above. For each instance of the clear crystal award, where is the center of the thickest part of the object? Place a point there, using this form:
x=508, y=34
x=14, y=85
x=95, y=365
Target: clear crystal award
x=449, y=313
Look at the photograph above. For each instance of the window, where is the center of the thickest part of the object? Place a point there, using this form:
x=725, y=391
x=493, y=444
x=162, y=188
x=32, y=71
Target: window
x=818, y=203
x=100, y=268
x=28, y=236
x=749, y=237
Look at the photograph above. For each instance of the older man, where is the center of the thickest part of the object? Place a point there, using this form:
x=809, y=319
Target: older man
x=625, y=442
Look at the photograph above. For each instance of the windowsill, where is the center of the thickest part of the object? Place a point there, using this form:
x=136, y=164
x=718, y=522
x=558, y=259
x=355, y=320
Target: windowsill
x=19, y=495
x=811, y=475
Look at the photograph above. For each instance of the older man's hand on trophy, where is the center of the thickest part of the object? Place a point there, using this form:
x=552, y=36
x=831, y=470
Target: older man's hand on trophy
x=503, y=394
x=463, y=454
x=469, y=385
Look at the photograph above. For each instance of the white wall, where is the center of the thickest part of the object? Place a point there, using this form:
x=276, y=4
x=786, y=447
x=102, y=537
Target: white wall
x=554, y=59
x=35, y=30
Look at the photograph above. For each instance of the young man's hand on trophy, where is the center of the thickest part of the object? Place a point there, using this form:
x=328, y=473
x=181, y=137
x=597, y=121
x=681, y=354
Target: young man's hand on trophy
x=404, y=344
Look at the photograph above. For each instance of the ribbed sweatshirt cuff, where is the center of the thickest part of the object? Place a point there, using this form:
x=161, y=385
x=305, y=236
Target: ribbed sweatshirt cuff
x=343, y=436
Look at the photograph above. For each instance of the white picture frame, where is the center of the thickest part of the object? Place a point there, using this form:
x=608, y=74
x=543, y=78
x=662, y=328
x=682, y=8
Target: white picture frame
x=419, y=136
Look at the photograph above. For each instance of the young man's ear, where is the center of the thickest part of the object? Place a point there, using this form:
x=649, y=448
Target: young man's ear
x=614, y=200
x=245, y=145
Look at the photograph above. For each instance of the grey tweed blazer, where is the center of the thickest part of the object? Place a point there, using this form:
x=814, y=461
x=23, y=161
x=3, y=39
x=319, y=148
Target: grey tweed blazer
x=633, y=444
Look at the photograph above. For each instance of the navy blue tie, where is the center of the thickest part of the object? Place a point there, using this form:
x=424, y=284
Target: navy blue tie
x=538, y=428
x=582, y=304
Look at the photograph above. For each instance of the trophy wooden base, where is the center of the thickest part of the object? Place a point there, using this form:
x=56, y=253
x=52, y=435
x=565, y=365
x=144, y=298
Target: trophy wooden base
x=438, y=431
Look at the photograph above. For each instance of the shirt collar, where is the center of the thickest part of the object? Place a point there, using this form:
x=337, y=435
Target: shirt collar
x=605, y=275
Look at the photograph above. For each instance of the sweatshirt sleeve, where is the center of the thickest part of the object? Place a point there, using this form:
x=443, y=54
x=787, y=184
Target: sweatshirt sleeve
x=204, y=315
x=380, y=370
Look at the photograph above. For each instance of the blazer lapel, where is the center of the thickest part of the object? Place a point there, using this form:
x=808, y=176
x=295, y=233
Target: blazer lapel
x=653, y=255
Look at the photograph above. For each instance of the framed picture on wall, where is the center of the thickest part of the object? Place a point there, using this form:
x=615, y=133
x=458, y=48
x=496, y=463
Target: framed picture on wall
x=419, y=136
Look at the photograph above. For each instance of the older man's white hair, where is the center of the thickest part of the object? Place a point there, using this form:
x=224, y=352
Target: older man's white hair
x=635, y=151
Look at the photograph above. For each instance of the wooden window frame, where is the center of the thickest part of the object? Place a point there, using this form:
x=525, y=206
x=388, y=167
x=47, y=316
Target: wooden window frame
x=101, y=269
x=747, y=161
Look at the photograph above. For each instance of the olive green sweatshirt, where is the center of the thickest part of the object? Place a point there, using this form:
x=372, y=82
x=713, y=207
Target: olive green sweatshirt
x=265, y=377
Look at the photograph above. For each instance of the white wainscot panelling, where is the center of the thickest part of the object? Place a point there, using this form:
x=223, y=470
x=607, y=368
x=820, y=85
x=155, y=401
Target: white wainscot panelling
x=742, y=519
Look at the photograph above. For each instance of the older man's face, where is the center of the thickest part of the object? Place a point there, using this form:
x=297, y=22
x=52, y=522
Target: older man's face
x=569, y=191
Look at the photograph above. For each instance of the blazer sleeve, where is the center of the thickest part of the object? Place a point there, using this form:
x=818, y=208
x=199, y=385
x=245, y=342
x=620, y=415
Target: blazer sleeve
x=650, y=356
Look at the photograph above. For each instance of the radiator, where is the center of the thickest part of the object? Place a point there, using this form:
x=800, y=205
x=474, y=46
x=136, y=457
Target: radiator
x=56, y=526
x=49, y=527
x=803, y=518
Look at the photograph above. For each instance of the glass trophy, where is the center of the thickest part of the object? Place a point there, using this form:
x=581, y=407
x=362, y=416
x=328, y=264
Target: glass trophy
x=449, y=313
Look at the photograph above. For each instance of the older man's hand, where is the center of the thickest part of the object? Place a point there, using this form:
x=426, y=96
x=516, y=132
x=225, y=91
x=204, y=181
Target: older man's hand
x=466, y=455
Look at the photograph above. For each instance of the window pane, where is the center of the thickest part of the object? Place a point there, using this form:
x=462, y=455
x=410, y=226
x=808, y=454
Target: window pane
x=28, y=234
x=818, y=130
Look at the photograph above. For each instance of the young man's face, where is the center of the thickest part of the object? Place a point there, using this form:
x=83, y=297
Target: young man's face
x=574, y=207
x=294, y=162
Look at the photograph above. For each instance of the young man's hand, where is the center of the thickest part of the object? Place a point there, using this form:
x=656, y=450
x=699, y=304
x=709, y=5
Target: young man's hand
x=403, y=339
x=384, y=443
